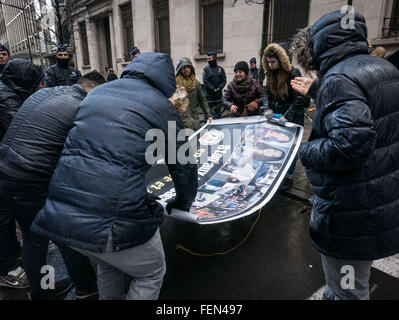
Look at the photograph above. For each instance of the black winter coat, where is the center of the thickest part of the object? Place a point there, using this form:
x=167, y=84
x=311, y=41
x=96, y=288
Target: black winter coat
x=213, y=78
x=351, y=159
x=58, y=76
x=99, y=185
x=19, y=80
x=292, y=105
x=33, y=143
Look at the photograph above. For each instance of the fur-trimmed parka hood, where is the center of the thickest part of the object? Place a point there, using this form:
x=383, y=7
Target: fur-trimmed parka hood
x=280, y=53
x=277, y=81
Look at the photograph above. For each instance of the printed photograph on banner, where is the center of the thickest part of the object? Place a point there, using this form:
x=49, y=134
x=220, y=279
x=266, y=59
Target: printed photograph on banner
x=247, y=177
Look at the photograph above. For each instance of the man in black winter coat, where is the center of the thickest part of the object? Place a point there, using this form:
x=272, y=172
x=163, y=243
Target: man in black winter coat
x=19, y=80
x=214, y=80
x=351, y=158
x=98, y=202
x=29, y=153
x=61, y=73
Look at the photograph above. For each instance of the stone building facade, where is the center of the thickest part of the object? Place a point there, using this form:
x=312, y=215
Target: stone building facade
x=105, y=30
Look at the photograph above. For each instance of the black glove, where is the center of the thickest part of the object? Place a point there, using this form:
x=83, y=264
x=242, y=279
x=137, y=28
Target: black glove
x=174, y=203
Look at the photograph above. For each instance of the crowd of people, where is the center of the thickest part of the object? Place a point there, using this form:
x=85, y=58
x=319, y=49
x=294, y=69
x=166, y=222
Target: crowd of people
x=73, y=158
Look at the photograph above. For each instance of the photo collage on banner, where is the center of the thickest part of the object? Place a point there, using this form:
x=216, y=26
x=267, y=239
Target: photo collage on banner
x=235, y=185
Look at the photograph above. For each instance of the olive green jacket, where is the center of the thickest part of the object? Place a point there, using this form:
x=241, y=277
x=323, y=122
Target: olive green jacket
x=197, y=99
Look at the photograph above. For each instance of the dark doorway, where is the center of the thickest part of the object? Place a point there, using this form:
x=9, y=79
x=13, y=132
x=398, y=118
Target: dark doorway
x=108, y=43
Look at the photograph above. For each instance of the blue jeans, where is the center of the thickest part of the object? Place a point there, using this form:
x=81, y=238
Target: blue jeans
x=337, y=276
x=21, y=201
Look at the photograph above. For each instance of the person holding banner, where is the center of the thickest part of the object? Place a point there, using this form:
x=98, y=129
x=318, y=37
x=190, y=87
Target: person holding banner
x=98, y=203
x=280, y=98
x=244, y=95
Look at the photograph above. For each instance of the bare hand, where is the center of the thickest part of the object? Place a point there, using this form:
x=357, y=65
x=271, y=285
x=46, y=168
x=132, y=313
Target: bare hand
x=252, y=106
x=233, y=108
x=302, y=85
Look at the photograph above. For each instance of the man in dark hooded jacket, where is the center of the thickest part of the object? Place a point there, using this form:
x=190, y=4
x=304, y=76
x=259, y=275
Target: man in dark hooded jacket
x=351, y=158
x=98, y=202
x=19, y=80
x=29, y=153
x=185, y=76
x=61, y=73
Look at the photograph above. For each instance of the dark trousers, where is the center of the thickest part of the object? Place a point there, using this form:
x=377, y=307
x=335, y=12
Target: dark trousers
x=215, y=104
x=21, y=201
x=10, y=249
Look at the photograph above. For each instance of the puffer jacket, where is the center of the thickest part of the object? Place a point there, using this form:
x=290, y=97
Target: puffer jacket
x=33, y=143
x=99, y=186
x=351, y=159
x=291, y=104
x=197, y=100
x=59, y=76
x=19, y=80
x=242, y=99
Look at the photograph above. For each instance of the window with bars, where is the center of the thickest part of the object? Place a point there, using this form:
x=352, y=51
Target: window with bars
x=288, y=16
x=84, y=43
x=391, y=28
x=211, y=26
x=162, y=29
x=127, y=29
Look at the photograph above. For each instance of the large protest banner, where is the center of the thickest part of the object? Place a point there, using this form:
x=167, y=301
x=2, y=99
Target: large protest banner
x=241, y=163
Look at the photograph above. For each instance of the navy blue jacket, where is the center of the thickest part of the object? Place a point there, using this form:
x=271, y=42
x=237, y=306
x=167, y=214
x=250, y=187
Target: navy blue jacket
x=213, y=78
x=352, y=157
x=59, y=76
x=99, y=186
x=33, y=143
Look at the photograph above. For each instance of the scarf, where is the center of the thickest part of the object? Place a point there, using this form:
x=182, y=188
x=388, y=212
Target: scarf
x=244, y=84
x=189, y=83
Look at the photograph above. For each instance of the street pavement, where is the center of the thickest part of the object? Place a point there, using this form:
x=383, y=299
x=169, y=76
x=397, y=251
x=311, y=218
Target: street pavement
x=267, y=255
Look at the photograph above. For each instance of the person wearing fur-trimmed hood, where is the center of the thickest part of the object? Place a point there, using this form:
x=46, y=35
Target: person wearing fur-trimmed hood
x=279, y=96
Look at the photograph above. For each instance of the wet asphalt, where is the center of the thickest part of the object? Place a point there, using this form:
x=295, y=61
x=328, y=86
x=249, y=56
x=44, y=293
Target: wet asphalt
x=265, y=256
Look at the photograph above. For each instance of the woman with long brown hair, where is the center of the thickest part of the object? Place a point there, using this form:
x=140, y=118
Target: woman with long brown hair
x=279, y=95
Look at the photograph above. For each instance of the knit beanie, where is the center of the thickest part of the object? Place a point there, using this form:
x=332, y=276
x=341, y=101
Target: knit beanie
x=242, y=65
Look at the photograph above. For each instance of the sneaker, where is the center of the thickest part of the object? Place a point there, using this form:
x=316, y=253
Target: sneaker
x=60, y=291
x=81, y=295
x=15, y=279
x=286, y=184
